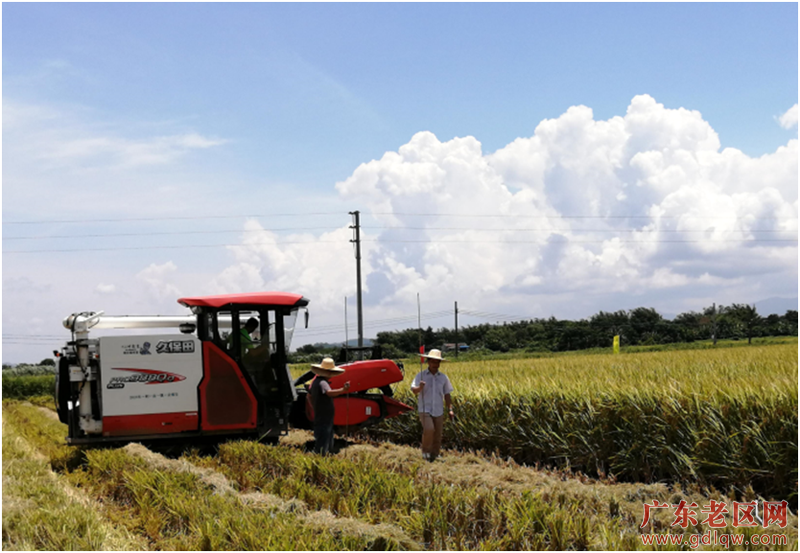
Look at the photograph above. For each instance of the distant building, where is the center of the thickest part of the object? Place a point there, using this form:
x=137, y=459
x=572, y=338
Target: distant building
x=452, y=347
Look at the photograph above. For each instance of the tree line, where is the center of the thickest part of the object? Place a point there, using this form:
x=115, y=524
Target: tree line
x=640, y=326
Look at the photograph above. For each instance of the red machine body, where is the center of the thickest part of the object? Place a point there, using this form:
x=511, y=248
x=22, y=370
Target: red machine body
x=358, y=407
x=364, y=375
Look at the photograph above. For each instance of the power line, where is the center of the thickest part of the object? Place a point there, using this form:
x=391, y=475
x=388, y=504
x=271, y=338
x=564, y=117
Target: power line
x=494, y=316
x=512, y=216
x=182, y=218
x=325, y=213
x=373, y=324
x=572, y=229
x=107, y=235
x=313, y=242
x=172, y=247
x=251, y=231
x=433, y=314
x=580, y=241
x=323, y=330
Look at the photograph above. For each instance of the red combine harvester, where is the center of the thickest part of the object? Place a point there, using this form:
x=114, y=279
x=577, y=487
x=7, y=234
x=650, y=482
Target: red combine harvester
x=204, y=381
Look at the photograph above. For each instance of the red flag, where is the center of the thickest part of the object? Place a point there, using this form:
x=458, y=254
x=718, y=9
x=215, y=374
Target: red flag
x=422, y=352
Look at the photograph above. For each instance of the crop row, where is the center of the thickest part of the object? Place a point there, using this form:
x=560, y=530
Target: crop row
x=724, y=418
x=22, y=387
x=438, y=506
x=151, y=508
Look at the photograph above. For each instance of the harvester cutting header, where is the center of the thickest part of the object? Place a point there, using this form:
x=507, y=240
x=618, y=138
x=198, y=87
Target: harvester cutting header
x=210, y=379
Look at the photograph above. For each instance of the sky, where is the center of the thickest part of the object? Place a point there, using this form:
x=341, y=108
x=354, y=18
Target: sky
x=524, y=160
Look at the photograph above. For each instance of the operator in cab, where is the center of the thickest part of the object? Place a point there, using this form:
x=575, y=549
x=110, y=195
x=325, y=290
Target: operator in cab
x=322, y=401
x=245, y=338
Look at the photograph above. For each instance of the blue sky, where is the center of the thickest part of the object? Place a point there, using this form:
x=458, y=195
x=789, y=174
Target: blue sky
x=345, y=83
x=240, y=109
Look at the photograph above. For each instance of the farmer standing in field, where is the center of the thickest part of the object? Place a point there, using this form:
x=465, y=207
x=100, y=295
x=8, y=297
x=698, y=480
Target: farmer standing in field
x=322, y=401
x=433, y=390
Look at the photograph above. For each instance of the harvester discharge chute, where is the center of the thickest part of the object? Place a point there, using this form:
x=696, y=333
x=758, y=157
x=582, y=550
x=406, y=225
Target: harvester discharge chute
x=359, y=408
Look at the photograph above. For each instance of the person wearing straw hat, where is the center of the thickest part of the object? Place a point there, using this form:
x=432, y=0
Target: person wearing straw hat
x=433, y=389
x=322, y=401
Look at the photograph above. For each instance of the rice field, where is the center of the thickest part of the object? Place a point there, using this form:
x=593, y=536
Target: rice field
x=608, y=433
x=725, y=418
x=249, y=496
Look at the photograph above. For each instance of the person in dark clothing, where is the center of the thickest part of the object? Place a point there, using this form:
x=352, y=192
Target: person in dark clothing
x=322, y=401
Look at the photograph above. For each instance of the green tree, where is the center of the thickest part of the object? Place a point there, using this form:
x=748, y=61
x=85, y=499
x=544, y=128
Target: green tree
x=643, y=322
x=748, y=318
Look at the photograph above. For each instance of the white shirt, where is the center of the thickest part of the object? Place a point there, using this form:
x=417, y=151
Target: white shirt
x=431, y=399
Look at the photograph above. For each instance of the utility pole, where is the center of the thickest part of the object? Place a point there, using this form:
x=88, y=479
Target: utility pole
x=714, y=323
x=456, y=329
x=419, y=330
x=357, y=227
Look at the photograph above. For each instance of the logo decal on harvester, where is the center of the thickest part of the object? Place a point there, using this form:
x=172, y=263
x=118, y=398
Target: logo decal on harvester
x=143, y=376
x=175, y=346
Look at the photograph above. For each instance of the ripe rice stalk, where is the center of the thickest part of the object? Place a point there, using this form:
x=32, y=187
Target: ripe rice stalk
x=723, y=418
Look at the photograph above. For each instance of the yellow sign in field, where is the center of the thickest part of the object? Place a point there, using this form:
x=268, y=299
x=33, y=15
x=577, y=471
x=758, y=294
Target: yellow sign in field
x=616, y=344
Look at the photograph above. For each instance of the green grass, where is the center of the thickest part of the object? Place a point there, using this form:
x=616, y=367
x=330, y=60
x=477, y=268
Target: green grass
x=22, y=387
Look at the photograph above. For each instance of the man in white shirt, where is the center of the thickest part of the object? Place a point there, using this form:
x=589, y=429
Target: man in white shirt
x=433, y=389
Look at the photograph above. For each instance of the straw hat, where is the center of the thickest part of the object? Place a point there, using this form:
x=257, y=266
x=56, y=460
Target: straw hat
x=434, y=354
x=326, y=368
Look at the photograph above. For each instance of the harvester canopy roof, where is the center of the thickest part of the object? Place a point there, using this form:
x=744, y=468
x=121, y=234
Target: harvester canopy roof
x=254, y=298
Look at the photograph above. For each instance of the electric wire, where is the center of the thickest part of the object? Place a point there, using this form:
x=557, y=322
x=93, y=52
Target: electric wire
x=518, y=216
x=328, y=228
x=315, y=242
x=404, y=214
x=173, y=218
x=172, y=233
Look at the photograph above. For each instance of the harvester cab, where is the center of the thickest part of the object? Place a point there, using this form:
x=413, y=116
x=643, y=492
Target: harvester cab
x=223, y=374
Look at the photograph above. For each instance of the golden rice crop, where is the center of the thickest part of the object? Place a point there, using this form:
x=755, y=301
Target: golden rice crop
x=724, y=417
x=278, y=497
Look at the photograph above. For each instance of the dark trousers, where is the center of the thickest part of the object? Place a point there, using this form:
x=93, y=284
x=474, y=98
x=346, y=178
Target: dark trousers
x=323, y=436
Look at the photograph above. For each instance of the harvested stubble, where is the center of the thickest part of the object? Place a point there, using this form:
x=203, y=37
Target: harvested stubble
x=447, y=505
x=440, y=515
x=724, y=418
x=187, y=503
x=162, y=508
x=42, y=511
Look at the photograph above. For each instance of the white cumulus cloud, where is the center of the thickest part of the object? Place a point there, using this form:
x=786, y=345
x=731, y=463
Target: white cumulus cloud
x=104, y=289
x=642, y=208
x=789, y=119
x=159, y=281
